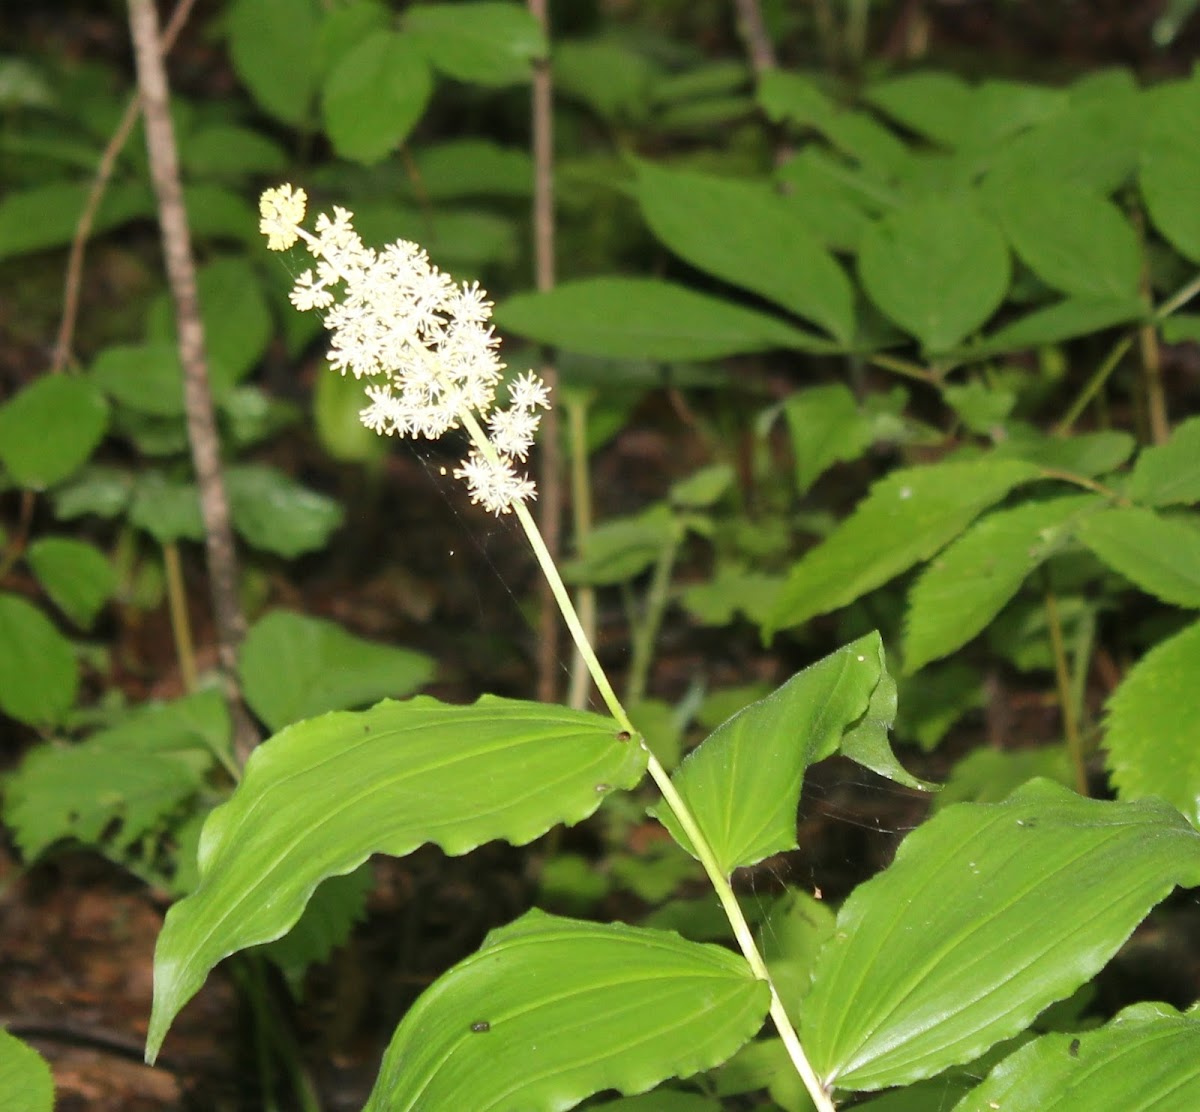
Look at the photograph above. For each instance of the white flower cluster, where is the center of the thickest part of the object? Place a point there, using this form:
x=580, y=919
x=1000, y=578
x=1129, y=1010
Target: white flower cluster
x=395, y=317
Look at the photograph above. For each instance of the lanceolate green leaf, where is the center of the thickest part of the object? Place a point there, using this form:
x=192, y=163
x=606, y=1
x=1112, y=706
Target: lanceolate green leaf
x=323, y=795
x=747, y=234
x=25, y=1077
x=551, y=1010
x=494, y=44
x=906, y=517
x=273, y=44
x=966, y=586
x=826, y=426
x=645, y=318
x=1146, y=1060
x=1152, y=741
x=743, y=782
x=990, y=913
x=1161, y=555
x=78, y=577
x=1170, y=165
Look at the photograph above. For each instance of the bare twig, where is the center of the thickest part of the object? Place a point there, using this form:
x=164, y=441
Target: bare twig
x=754, y=34
x=73, y=281
x=201, y=421
x=550, y=486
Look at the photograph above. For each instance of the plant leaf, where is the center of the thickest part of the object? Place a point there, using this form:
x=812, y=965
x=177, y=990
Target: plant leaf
x=646, y=318
x=167, y=509
x=293, y=667
x=496, y=46
x=374, y=96
x=551, y=1010
x=145, y=377
x=322, y=796
x=1064, y=320
x=326, y=923
x=1159, y=555
x=826, y=427
x=273, y=45
x=1170, y=165
x=274, y=512
x=1152, y=733
x=50, y=428
x=742, y=783
x=1146, y=1059
x=937, y=268
x=989, y=913
x=25, y=1077
x=1073, y=239
x=38, y=674
x=1169, y=473
x=747, y=234
x=906, y=517
x=969, y=583
x=77, y=576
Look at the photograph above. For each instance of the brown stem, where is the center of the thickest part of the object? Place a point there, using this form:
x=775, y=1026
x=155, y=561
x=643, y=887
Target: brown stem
x=551, y=499
x=754, y=34
x=201, y=421
x=73, y=281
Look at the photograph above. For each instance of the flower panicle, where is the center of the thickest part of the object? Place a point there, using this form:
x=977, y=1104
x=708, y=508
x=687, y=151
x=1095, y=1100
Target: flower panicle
x=424, y=340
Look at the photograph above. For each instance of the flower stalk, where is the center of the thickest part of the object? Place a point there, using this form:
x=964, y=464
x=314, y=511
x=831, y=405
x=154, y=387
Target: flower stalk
x=428, y=347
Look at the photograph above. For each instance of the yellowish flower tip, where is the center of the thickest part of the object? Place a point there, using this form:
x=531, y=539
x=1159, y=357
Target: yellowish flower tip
x=282, y=210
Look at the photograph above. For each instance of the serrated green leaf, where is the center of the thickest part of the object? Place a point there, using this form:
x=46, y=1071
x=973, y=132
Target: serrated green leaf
x=273, y=44
x=336, y=905
x=937, y=268
x=742, y=784
x=1152, y=732
x=145, y=377
x=826, y=427
x=1146, y=1059
x=38, y=673
x=25, y=1077
x=969, y=583
x=1074, y=316
x=746, y=234
x=731, y=590
x=275, y=513
x=77, y=576
x=1159, y=555
x=494, y=46
x=551, y=1010
x=319, y=798
x=1170, y=165
x=50, y=428
x=905, y=518
x=1072, y=238
x=646, y=318
x=374, y=96
x=293, y=667
x=931, y=701
x=1169, y=473
x=989, y=913
x=167, y=509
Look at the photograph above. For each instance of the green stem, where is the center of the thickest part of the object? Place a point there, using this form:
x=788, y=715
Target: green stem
x=180, y=625
x=581, y=509
x=1094, y=384
x=719, y=881
x=904, y=368
x=646, y=632
x=1066, y=701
